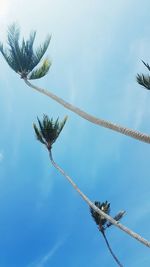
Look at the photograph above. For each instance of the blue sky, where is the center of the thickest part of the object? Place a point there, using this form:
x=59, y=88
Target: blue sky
x=95, y=50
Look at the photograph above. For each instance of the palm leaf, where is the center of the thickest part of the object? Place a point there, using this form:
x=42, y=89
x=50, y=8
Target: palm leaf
x=117, y=217
x=40, y=51
x=146, y=65
x=41, y=71
x=38, y=134
x=143, y=80
x=13, y=42
x=27, y=54
x=9, y=59
x=61, y=125
x=41, y=129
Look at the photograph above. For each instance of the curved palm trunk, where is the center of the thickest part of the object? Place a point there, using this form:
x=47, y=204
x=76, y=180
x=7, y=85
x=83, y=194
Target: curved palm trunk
x=126, y=131
x=94, y=207
x=112, y=253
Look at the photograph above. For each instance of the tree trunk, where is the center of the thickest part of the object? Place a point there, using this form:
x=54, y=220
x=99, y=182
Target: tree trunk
x=126, y=131
x=112, y=253
x=90, y=204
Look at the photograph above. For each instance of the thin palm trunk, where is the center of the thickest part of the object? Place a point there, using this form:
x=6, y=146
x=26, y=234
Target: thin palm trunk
x=126, y=131
x=112, y=253
x=94, y=207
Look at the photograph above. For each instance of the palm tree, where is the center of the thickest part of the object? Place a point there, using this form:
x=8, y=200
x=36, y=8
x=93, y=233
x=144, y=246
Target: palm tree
x=142, y=79
x=47, y=133
x=24, y=60
x=102, y=224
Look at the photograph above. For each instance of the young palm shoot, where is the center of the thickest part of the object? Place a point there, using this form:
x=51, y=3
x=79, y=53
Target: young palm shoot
x=47, y=133
x=25, y=60
x=103, y=224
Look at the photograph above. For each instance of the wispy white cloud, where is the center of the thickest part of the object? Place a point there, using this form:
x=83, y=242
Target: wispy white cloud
x=48, y=256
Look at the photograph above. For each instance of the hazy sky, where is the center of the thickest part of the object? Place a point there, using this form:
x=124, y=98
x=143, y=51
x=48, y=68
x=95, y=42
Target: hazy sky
x=96, y=51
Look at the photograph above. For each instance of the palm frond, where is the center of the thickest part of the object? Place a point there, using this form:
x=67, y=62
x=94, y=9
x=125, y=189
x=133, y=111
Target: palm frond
x=48, y=130
x=41, y=71
x=117, y=217
x=143, y=80
x=61, y=125
x=146, y=65
x=13, y=42
x=40, y=51
x=38, y=134
x=27, y=54
x=9, y=59
x=41, y=128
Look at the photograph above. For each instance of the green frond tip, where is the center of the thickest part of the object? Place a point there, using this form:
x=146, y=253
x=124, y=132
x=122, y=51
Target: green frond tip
x=22, y=57
x=41, y=71
x=146, y=65
x=48, y=130
x=117, y=217
x=143, y=80
x=38, y=134
x=99, y=219
x=62, y=124
x=40, y=51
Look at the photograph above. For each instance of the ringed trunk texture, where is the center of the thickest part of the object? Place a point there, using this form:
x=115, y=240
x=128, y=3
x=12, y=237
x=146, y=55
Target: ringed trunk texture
x=123, y=130
x=94, y=207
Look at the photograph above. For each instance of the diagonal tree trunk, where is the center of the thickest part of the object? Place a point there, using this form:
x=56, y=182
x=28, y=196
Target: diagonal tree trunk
x=94, y=207
x=126, y=131
x=110, y=249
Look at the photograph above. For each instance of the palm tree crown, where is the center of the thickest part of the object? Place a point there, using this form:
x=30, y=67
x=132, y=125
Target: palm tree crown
x=102, y=224
x=22, y=58
x=100, y=220
x=48, y=130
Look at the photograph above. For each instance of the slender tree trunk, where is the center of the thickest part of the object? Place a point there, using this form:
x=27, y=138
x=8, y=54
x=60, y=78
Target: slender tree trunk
x=112, y=253
x=126, y=131
x=91, y=204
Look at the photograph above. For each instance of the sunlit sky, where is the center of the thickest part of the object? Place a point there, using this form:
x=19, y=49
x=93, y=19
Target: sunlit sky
x=96, y=51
